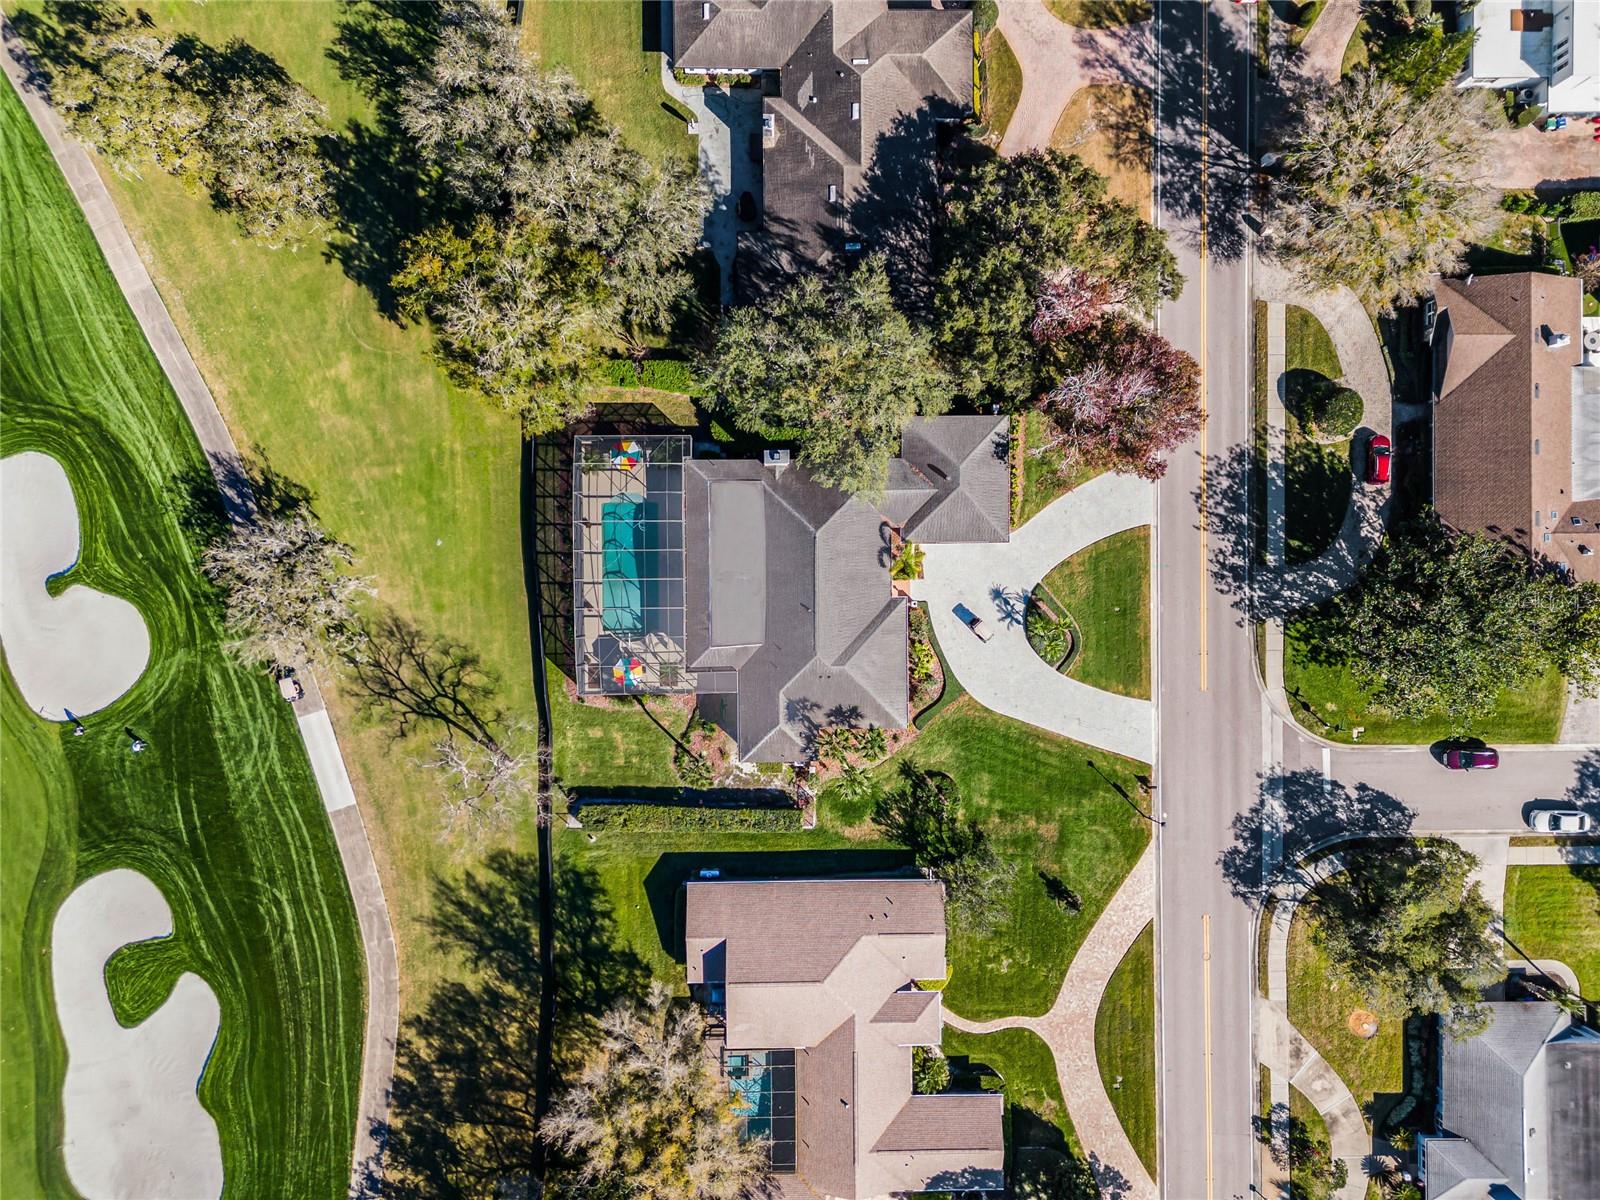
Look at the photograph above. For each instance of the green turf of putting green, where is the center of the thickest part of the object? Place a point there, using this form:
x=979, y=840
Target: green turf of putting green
x=220, y=812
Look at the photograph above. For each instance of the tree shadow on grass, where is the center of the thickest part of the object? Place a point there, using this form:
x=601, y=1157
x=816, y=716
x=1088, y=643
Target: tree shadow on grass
x=408, y=677
x=381, y=191
x=462, y=1107
x=663, y=885
x=202, y=496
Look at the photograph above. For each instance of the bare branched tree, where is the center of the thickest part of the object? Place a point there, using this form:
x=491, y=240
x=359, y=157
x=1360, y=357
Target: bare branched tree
x=1382, y=189
x=289, y=591
x=648, y=1109
x=488, y=784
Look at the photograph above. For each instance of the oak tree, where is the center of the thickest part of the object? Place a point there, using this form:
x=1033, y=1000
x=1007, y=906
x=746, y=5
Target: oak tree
x=834, y=365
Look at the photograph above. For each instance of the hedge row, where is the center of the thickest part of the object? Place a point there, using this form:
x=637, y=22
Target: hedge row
x=663, y=374
x=667, y=818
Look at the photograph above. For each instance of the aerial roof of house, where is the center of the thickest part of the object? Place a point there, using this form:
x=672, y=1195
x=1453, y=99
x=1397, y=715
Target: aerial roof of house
x=1519, y=1106
x=827, y=969
x=792, y=623
x=859, y=86
x=1554, y=44
x=1507, y=354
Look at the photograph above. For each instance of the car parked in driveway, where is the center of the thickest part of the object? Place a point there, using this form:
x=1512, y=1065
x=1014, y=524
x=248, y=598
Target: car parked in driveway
x=1379, y=451
x=1472, y=758
x=973, y=622
x=1560, y=820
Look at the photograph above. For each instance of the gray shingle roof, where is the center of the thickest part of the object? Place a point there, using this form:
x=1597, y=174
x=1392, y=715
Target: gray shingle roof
x=1572, y=1082
x=787, y=581
x=830, y=56
x=964, y=460
x=1457, y=1171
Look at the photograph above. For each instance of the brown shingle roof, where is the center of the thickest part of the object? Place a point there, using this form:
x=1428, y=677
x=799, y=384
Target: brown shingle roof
x=798, y=931
x=1502, y=437
x=949, y=1122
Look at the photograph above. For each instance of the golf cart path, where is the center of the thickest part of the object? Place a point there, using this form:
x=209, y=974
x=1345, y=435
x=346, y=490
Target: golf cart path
x=994, y=579
x=1068, y=1029
x=383, y=991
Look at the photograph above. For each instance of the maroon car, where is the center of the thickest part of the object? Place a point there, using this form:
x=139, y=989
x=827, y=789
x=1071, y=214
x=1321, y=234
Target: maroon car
x=1379, y=451
x=1481, y=759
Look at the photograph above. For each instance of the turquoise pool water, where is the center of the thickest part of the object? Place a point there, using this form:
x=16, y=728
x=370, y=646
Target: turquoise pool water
x=622, y=593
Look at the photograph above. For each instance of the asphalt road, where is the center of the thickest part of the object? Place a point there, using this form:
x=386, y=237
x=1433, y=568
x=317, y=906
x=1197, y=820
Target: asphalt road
x=1237, y=784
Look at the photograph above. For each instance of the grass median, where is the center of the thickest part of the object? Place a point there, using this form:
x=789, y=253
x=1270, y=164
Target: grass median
x=1125, y=1045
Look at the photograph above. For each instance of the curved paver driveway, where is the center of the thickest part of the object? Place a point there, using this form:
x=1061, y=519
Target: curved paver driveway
x=1057, y=59
x=994, y=580
x=1068, y=1029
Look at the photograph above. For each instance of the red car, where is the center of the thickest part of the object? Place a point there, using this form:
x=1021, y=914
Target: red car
x=1484, y=759
x=1379, y=451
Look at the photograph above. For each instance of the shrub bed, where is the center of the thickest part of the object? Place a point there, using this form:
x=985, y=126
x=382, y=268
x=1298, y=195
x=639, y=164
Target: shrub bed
x=662, y=374
x=665, y=818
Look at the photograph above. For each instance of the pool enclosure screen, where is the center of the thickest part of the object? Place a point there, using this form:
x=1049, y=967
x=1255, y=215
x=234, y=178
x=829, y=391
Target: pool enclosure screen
x=762, y=1084
x=627, y=568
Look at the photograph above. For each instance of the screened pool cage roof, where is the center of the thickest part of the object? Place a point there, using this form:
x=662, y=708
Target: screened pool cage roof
x=627, y=564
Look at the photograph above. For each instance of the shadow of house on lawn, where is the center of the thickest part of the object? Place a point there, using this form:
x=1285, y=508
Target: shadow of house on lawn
x=663, y=884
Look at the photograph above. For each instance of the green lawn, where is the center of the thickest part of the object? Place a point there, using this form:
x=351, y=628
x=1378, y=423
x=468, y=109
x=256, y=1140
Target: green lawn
x=1327, y=700
x=1303, y=1111
x=1355, y=50
x=1106, y=589
x=1125, y=1045
x=1036, y=1115
x=1319, y=1007
x=1044, y=475
x=1317, y=477
x=421, y=478
x=1046, y=807
x=1554, y=912
x=1307, y=346
x=602, y=44
x=221, y=812
x=1100, y=14
x=1002, y=82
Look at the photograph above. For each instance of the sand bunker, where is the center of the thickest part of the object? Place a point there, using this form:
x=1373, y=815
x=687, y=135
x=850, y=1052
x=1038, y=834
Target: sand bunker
x=134, y=1126
x=79, y=650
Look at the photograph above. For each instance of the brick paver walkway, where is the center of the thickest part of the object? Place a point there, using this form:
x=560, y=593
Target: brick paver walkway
x=1068, y=1029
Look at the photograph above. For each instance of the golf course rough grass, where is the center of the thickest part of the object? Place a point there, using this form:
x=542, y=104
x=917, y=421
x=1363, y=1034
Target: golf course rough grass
x=220, y=812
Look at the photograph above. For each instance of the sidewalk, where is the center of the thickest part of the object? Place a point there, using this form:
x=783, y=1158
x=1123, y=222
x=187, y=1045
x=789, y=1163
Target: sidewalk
x=232, y=481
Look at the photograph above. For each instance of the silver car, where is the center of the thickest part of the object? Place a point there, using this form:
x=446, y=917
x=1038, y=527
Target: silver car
x=1560, y=820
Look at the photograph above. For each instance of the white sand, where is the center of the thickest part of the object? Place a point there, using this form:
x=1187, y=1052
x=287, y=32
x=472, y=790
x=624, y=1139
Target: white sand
x=79, y=650
x=134, y=1126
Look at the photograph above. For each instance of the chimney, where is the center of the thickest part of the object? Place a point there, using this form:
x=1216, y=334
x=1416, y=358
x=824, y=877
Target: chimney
x=776, y=461
x=1554, y=340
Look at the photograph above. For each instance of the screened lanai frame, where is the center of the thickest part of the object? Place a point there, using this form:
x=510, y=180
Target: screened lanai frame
x=628, y=564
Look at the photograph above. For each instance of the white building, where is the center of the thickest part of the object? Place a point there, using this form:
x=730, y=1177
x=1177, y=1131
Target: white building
x=1548, y=49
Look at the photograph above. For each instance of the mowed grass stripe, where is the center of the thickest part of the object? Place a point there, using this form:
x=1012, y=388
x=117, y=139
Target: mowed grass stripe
x=221, y=812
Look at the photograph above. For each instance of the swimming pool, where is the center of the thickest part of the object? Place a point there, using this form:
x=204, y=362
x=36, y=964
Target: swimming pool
x=623, y=543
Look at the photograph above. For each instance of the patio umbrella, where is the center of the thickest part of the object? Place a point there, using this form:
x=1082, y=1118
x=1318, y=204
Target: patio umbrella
x=627, y=455
x=625, y=671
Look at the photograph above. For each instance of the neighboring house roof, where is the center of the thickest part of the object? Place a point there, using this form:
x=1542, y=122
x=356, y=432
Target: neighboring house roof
x=791, y=622
x=1503, y=430
x=827, y=968
x=1552, y=44
x=1519, y=1106
x=857, y=81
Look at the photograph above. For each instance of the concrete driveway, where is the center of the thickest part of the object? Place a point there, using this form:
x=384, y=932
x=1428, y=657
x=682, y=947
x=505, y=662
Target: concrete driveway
x=995, y=580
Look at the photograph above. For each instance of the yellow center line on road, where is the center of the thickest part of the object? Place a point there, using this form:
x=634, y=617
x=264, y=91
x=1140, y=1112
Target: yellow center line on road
x=1205, y=964
x=1205, y=416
